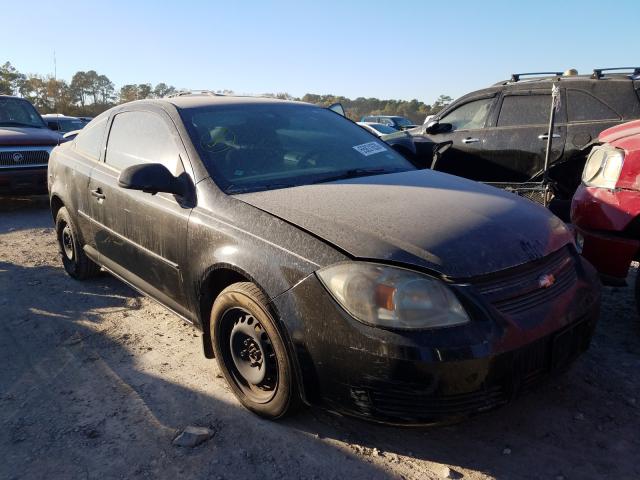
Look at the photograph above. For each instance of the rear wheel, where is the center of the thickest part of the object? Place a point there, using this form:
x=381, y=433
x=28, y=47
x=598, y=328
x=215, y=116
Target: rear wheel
x=75, y=261
x=250, y=351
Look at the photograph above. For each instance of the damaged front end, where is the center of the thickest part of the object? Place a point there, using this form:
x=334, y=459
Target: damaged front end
x=526, y=323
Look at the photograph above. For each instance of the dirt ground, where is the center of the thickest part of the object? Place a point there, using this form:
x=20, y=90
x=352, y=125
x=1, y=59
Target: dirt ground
x=96, y=381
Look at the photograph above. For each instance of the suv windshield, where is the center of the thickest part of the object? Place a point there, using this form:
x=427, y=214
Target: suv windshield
x=261, y=147
x=15, y=112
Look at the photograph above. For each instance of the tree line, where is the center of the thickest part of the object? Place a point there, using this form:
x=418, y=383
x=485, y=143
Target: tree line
x=90, y=93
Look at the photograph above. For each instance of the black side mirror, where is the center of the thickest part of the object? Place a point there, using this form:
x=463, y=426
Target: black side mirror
x=436, y=127
x=53, y=126
x=150, y=178
x=338, y=108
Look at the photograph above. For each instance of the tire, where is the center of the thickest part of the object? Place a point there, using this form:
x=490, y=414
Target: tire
x=251, y=353
x=75, y=261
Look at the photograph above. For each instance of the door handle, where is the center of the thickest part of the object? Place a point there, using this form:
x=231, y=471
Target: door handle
x=545, y=136
x=98, y=193
x=470, y=140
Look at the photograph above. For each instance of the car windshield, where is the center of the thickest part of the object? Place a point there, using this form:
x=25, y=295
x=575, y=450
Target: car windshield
x=15, y=112
x=70, y=124
x=403, y=122
x=266, y=146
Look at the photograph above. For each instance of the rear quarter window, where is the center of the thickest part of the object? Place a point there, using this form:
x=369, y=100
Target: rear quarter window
x=584, y=107
x=89, y=140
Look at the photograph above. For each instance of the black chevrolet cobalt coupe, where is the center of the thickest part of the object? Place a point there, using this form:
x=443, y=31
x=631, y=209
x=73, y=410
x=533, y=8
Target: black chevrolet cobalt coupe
x=321, y=266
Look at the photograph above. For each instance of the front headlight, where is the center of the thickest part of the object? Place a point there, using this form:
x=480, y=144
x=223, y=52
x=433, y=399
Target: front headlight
x=603, y=167
x=392, y=297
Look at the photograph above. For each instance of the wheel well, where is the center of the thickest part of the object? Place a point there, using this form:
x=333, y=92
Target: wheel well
x=215, y=282
x=56, y=205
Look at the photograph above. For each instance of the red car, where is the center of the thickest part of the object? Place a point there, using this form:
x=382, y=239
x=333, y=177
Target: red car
x=606, y=207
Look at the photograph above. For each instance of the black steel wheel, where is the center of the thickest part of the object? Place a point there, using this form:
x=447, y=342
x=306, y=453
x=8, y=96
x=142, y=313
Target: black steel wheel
x=250, y=351
x=75, y=261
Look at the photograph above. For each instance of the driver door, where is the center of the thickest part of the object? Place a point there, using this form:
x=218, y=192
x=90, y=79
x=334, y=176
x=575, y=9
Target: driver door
x=142, y=237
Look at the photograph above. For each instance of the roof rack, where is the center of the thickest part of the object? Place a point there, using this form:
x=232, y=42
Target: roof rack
x=184, y=93
x=598, y=73
x=515, y=77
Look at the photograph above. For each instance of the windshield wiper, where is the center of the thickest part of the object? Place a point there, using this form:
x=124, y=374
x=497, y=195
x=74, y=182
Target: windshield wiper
x=235, y=189
x=357, y=172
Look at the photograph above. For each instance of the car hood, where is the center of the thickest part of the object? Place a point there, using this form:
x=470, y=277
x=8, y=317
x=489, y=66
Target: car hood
x=612, y=134
x=452, y=226
x=27, y=136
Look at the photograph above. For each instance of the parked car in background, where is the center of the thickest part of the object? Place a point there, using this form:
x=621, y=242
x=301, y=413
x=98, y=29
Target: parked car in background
x=321, y=265
x=377, y=129
x=63, y=123
x=25, y=145
x=606, y=206
x=499, y=134
x=397, y=122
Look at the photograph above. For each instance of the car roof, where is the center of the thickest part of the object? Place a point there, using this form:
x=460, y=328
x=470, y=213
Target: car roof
x=196, y=101
x=575, y=79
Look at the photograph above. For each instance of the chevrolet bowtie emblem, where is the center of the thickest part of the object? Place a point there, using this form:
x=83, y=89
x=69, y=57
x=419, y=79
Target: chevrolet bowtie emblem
x=546, y=280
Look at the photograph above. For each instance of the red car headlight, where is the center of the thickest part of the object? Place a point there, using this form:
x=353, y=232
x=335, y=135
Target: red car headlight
x=603, y=167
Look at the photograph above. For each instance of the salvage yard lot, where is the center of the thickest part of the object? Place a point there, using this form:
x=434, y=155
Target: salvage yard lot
x=97, y=381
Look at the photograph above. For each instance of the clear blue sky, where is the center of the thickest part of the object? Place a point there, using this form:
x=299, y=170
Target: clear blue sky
x=395, y=49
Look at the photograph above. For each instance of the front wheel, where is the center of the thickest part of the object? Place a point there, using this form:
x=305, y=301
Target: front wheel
x=250, y=351
x=75, y=261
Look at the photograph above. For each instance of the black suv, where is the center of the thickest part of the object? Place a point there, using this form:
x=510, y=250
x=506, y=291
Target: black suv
x=499, y=134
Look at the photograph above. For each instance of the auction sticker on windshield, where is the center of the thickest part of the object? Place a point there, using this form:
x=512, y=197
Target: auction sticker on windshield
x=370, y=148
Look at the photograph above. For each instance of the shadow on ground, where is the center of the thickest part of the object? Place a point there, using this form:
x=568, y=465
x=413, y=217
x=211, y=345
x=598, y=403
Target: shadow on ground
x=98, y=381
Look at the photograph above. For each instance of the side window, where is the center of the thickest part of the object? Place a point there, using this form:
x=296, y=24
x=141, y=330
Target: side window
x=469, y=116
x=89, y=140
x=141, y=137
x=520, y=110
x=582, y=107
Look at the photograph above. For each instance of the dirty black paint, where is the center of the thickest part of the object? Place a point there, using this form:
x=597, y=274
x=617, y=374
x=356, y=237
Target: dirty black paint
x=173, y=248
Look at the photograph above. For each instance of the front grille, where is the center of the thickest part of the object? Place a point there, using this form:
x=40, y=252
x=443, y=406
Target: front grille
x=519, y=289
x=512, y=373
x=20, y=157
x=411, y=405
